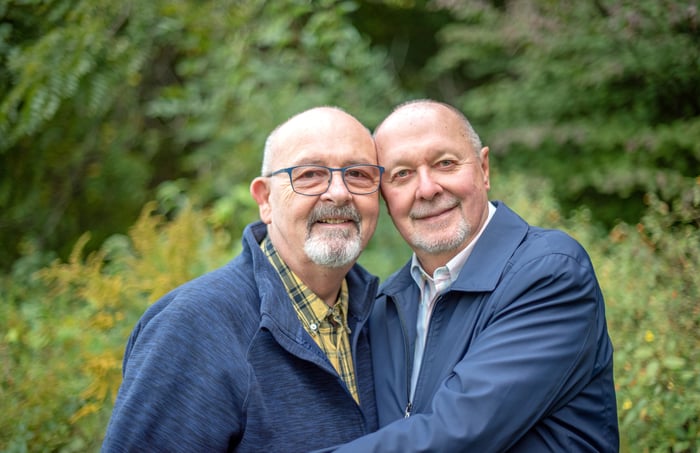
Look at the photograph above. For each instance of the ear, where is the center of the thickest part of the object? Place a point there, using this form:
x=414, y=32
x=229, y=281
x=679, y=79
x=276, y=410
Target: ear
x=484, y=155
x=260, y=190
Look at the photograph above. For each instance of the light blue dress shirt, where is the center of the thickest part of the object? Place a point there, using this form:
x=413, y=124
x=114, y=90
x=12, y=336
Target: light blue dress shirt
x=433, y=286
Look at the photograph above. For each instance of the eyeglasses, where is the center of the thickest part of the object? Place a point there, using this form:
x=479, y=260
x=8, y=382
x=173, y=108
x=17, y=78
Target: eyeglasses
x=361, y=179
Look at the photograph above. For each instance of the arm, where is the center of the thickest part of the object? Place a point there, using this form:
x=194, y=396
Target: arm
x=177, y=387
x=536, y=350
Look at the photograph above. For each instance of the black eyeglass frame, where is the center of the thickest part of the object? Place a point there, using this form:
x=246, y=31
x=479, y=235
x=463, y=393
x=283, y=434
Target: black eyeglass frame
x=342, y=171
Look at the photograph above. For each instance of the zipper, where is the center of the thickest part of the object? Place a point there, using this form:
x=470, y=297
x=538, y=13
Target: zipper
x=407, y=411
x=409, y=404
x=360, y=323
x=409, y=358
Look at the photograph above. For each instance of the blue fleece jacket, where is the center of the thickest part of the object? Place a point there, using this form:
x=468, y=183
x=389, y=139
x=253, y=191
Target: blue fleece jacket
x=222, y=363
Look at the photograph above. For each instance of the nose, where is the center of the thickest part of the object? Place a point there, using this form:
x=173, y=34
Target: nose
x=337, y=191
x=427, y=186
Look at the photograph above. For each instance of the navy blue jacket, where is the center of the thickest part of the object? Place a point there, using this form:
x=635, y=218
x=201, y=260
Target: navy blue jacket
x=517, y=356
x=222, y=363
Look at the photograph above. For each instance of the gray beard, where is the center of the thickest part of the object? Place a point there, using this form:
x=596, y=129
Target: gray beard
x=333, y=248
x=442, y=245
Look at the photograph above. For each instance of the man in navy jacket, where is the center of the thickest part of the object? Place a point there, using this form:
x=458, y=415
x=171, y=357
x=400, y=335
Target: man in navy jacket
x=270, y=352
x=493, y=337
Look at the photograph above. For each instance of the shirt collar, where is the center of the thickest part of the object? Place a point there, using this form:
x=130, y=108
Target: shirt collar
x=311, y=307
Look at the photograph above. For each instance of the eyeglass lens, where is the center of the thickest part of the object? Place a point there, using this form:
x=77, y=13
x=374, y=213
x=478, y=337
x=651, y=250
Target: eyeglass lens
x=313, y=180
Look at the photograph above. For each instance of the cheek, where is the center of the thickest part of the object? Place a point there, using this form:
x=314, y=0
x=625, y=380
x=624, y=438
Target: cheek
x=287, y=197
x=467, y=186
x=398, y=202
x=288, y=206
x=368, y=209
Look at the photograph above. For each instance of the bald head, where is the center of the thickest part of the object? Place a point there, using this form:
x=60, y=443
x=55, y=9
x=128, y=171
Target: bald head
x=315, y=125
x=413, y=112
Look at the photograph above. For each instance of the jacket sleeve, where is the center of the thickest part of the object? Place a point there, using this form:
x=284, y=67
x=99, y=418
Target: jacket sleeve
x=534, y=351
x=177, y=389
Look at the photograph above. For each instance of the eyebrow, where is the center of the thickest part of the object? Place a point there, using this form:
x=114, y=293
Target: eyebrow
x=430, y=156
x=343, y=164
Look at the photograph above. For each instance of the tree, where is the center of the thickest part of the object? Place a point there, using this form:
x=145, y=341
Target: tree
x=103, y=101
x=601, y=97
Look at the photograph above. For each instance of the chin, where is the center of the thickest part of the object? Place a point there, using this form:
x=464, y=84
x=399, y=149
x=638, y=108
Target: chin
x=333, y=254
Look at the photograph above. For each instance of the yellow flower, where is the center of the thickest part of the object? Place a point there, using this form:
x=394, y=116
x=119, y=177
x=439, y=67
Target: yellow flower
x=627, y=405
x=649, y=336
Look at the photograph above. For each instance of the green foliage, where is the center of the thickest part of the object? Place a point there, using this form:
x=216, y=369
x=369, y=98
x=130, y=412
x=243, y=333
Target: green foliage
x=650, y=276
x=656, y=323
x=236, y=86
x=591, y=110
x=386, y=251
x=62, y=359
x=103, y=101
x=407, y=30
x=611, y=88
x=69, y=158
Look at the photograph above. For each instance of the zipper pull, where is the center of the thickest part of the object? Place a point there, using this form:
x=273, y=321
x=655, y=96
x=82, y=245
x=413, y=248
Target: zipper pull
x=407, y=412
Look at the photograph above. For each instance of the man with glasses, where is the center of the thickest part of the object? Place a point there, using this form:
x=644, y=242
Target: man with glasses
x=270, y=352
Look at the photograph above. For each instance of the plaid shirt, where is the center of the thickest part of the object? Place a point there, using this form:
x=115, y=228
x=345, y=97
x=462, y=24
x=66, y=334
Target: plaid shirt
x=326, y=325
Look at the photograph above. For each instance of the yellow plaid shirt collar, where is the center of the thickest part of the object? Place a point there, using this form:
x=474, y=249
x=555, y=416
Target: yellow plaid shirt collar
x=326, y=325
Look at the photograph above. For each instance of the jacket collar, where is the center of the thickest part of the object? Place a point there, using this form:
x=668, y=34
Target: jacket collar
x=362, y=286
x=488, y=260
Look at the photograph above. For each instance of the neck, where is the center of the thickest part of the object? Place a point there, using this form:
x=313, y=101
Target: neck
x=430, y=262
x=325, y=282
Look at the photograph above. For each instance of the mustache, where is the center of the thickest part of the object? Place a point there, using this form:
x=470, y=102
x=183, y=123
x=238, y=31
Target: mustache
x=326, y=212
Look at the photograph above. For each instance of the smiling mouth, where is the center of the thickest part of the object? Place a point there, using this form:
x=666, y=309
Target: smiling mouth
x=333, y=221
x=432, y=215
x=433, y=210
x=330, y=216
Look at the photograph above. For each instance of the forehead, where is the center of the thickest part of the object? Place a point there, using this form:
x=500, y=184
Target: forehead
x=421, y=119
x=421, y=132
x=332, y=140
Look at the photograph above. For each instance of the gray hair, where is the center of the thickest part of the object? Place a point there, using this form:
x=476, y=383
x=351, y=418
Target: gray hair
x=267, y=150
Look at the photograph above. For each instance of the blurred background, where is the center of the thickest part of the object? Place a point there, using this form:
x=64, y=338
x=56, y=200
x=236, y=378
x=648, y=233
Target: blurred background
x=129, y=133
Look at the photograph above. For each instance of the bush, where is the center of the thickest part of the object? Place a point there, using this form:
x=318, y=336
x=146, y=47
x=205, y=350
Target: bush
x=66, y=323
x=650, y=276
